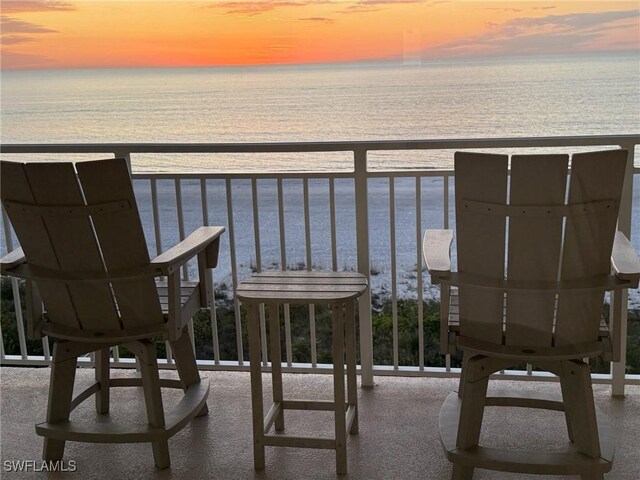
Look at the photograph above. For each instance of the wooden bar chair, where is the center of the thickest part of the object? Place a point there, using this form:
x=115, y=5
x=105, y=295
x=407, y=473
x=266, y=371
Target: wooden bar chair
x=91, y=286
x=536, y=253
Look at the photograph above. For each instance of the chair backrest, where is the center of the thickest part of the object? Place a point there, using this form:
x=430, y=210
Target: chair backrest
x=542, y=222
x=76, y=228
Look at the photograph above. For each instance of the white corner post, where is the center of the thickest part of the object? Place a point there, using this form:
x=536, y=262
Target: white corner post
x=624, y=225
x=362, y=248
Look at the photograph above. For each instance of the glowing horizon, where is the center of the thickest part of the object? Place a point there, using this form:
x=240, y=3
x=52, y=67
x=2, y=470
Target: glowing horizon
x=44, y=34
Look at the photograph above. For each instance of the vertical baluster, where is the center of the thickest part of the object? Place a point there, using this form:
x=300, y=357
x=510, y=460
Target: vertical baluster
x=234, y=271
x=283, y=266
x=155, y=210
x=45, y=348
x=618, y=369
x=361, y=180
x=332, y=215
x=214, y=318
x=156, y=215
x=256, y=235
x=1, y=345
x=394, y=286
x=185, y=268
x=180, y=213
x=17, y=304
x=419, y=272
x=445, y=203
x=307, y=238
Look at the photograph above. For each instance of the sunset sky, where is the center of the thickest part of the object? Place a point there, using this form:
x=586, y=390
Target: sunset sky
x=86, y=33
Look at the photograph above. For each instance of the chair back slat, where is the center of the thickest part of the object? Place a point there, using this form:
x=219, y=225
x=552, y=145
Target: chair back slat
x=121, y=238
x=72, y=246
x=534, y=245
x=32, y=231
x=480, y=241
x=588, y=241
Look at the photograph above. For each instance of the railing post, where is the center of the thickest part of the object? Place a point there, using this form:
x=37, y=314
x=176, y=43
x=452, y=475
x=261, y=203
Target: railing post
x=362, y=248
x=624, y=225
x=126, y=156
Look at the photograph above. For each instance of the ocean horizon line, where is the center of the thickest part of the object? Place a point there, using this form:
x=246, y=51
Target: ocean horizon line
x=351, y=64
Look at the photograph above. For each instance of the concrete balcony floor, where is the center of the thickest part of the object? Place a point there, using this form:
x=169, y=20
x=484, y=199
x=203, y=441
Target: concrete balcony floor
x=398, y=436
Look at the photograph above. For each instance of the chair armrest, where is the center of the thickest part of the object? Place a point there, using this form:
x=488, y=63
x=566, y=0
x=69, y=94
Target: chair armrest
x=12, y=259
x=204, y=238
x=624, y=260
x=436, y=251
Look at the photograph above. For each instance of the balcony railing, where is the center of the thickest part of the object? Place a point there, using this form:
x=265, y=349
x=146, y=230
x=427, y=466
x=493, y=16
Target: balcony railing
x=269, y=224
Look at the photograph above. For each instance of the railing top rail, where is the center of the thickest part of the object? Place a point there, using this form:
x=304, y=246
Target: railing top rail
x=340, y=146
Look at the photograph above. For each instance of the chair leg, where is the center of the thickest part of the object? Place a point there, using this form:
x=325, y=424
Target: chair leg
x=186, y=364
x=474, y=393
x=465, y=357
x=461, y=472
x=566, y=395
x=153, y=399
x=63, y=373
x=578, y=401
x=102, y=375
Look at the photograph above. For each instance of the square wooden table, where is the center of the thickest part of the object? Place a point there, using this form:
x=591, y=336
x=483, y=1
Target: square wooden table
x=337, y=289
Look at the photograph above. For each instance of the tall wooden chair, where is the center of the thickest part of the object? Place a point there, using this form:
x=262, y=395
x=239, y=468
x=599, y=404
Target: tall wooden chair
x=83, y=253
x=536, y=250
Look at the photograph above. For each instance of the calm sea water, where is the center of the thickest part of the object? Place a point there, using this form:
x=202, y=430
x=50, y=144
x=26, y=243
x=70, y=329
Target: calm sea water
x=449, y=99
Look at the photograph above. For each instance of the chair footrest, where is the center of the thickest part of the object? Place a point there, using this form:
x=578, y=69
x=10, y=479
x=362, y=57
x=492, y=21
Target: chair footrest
x=544, y=463
x=188, y=408
x=525, y=399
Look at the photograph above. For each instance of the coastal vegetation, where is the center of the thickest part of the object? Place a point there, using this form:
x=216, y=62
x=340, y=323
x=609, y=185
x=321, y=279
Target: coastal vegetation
x=382, y=320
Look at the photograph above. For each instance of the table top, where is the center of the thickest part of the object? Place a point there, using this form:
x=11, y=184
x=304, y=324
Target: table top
x=302, y=287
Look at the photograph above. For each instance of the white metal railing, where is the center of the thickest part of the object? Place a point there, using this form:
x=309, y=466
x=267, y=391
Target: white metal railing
x=360, y=178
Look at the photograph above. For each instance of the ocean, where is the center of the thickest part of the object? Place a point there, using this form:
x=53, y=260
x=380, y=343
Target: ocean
x=512, y=97
x=506, y=97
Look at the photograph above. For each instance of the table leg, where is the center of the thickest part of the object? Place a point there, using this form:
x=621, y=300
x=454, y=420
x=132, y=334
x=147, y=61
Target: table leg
x=256, y=385
x=273, y=311
x=352, y=386
x=338, y=385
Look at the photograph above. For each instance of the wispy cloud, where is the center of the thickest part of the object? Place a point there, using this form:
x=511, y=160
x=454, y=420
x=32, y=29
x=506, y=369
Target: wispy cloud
x=250, y=8
x=14, y=31
x=539, y=35
x=318, y=19
x=362, y=6
x=11, y=25
x=253, y=8
x=20, y=6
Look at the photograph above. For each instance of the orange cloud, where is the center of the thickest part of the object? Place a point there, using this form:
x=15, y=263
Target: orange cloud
x=21, y=6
